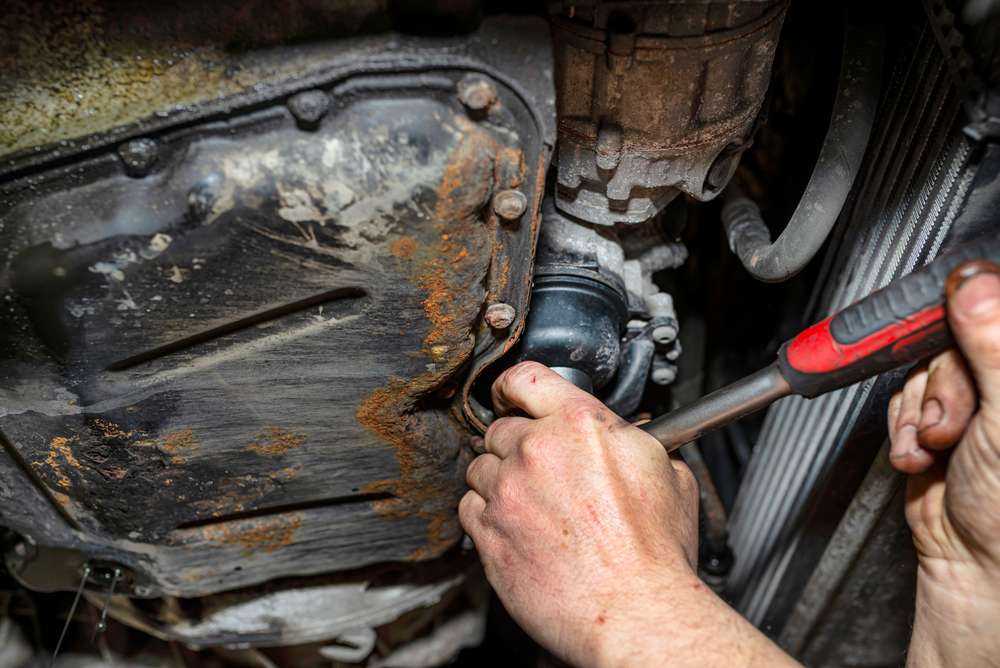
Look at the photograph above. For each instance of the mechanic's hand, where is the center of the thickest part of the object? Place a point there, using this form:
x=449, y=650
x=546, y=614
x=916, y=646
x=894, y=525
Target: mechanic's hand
x=588, y=532
x=952, y=450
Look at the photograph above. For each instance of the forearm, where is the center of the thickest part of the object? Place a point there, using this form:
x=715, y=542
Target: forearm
x=691, y=628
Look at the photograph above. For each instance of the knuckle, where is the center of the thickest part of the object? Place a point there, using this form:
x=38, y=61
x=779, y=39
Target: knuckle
x=473, y=470
x=466, y=507
x=508, y=496
x=495, y=431
x=519, y=374
x=534, y=449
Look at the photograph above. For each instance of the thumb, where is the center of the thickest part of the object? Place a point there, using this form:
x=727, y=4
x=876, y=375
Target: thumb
x=973, y=293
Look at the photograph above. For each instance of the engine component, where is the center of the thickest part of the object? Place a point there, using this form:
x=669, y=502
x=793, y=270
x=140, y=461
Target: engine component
x=655, y=99
x=907, y=200
x=253, y=253
x=573, y=327
x=832, y=178
x=584, y=294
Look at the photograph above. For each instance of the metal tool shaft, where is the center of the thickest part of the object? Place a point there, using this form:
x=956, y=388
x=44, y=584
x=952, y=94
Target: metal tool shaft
x=719, y=408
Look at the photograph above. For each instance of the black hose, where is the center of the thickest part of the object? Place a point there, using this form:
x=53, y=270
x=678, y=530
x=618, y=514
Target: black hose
x=632, y=374
x=832, y=178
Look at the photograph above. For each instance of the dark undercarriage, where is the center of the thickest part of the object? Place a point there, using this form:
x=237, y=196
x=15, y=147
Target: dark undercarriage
x=262, y=262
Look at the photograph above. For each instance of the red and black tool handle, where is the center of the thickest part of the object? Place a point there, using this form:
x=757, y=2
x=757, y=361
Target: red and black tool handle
x=899, y=324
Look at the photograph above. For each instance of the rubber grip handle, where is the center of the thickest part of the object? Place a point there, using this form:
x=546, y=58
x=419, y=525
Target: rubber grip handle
x=899, y=324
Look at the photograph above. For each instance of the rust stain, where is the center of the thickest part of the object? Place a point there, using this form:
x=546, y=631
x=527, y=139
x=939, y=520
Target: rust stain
x=264, y=534
x=498, y=286
x=403, y=248
x=453, y=255
x=171, y=443
x=60, y=449
x=115, y=473
x=235, y=495
x=283, y=476
x=275, y=441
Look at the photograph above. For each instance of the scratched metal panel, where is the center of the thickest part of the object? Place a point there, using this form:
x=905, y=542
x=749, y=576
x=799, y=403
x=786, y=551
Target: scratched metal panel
x=243, y=363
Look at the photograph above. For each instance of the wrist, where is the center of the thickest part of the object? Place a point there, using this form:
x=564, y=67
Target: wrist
x=957, y=616
x=685, y=624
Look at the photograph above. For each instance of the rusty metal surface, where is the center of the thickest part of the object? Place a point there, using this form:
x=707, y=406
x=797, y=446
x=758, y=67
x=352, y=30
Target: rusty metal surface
x=245, y=359
x=72, y=69
x=656, y=99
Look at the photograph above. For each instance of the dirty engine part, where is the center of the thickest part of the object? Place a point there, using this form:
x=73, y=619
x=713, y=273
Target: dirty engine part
x=656, y=99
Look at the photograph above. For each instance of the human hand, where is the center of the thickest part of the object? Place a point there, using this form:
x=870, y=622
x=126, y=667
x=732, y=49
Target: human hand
x=587, y=530
x=952, y=451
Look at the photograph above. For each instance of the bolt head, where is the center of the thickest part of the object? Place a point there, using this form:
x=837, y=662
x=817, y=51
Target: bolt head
x=664, y=334
x=309, y=107
x=510, y=204
x=664, y=375
x=477, y=94
x=138, y=156
x=500, y=316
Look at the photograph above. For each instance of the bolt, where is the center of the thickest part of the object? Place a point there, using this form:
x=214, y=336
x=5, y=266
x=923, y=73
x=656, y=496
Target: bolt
x=664, y=375
x=309, y=107
x=138, y=156
x=664, y=334
x=510, y=204
x=500, y=316
x=476, y=93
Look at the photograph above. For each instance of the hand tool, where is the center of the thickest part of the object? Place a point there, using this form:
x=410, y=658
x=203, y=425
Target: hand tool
x=903, y=322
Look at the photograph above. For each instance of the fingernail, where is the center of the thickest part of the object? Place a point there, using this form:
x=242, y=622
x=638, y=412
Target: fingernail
x=931, y=414
x=979, y=296
x=905, y=454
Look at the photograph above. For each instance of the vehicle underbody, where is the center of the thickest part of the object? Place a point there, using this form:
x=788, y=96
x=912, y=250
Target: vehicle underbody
x=262, y=262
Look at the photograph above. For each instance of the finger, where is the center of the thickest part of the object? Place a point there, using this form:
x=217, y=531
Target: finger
x=949, y=401
x=894, y=405
x=482, y=474
x=505, y=434
x=470, y=515
x=906, y=453
x=534, y=388
x=973, y=293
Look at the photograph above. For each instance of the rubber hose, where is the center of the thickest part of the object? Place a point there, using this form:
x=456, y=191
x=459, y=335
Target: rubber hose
x=834, y=174
x=632, y=374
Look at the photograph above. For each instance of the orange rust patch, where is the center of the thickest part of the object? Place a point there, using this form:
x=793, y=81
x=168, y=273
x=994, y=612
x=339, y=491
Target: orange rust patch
x=403, y=248
x=510, y=168
x=236, y=495
x=115, y=473
x=283, y=476
x=264, y=534
x=61, y=499
x=60, y=447
x=171, y=443
x=275, y=441
x=454, y=256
